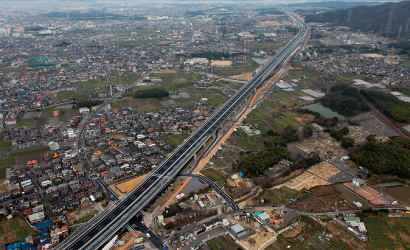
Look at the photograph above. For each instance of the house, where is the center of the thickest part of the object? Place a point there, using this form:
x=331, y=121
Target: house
x=109, y=177
x=36, y=218
x=27, y=212
x=84, y=111
x=352, y=219
x=58, y=208
x=64, y=230
x=37, y=209
x=4, y=196
x=358, y=182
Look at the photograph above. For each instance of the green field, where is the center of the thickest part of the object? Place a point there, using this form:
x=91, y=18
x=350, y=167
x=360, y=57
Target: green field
x=213, y=174
x=115, y=105
x=387, y=233
x=223, y=242
x=29, y=152
x=266, y=46
x=175, y=140
x=14, y=230
x=4, y=144
x=26, y=122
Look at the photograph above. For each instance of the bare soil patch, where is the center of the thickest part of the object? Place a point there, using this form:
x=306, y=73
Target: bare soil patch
x=394, y=221
x=79, y=214
x=269, y=23
x=24, y=159
x=321, y=200
x=156, y=102
x=141, y=103
x=294, y=231
x=128, y=185
x=179, y=100
x=150, y=106
x=167, y=71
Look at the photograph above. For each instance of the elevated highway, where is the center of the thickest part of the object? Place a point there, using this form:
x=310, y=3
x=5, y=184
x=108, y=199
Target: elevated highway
x=98, y=230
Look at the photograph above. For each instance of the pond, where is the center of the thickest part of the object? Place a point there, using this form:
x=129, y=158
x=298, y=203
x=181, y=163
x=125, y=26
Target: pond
x=328, y=111
x=261, y=60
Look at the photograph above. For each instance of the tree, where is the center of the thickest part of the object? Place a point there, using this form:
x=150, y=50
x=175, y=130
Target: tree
x=371, y=137
x=307, y=131
x=347, y=142
x=344, y=130
x=169, y=226
x=339, y=136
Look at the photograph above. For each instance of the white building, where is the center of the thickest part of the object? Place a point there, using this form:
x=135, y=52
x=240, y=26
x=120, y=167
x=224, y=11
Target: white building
x=84, y=110
x=197, y=61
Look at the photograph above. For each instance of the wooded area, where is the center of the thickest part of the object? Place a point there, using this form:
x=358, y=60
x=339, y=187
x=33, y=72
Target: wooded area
x=151, y=93
x=391, y=157
x=87, y=103
x=346, y=98
x=389, y=104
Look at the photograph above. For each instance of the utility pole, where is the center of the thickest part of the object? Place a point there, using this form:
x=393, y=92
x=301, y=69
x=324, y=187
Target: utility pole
x=398, y=36
x=349, y=17
x=389, y=22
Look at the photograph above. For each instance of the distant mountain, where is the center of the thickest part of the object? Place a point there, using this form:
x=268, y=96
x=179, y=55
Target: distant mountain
x=332, y=4
x=367, y=18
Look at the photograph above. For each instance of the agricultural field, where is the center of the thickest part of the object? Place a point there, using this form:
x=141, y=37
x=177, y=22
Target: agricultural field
x=348, y=78
x=213, y=174
x=14, y=230
x=321, y=199
x=21, y=157
x=173, y=81
x=223, y=242
x=4, y=144
x=246, y=143
x=309, y=235
x=67, y=114
x=268, y=197
x=398, y=191
x=175, y=140
x=387, y=233
x=286, y=194
x=266, y=46
x=214, y=96
x=4, y=164
x=270, y=116
x=225, y=157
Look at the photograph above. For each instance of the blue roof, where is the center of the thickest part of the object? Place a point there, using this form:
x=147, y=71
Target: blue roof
x=46, y=242
x=26, y=246
x=44, y=236
x=43, y=225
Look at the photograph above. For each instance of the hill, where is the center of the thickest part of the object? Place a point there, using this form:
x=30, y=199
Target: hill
x=367, y=18
x=332, y=4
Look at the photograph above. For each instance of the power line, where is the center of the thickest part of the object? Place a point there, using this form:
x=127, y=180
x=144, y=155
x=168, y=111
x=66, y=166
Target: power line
x=398, y=36
x=389, y=22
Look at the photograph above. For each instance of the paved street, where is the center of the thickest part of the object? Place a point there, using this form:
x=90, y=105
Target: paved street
x=135, y=223
x=213, y=233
